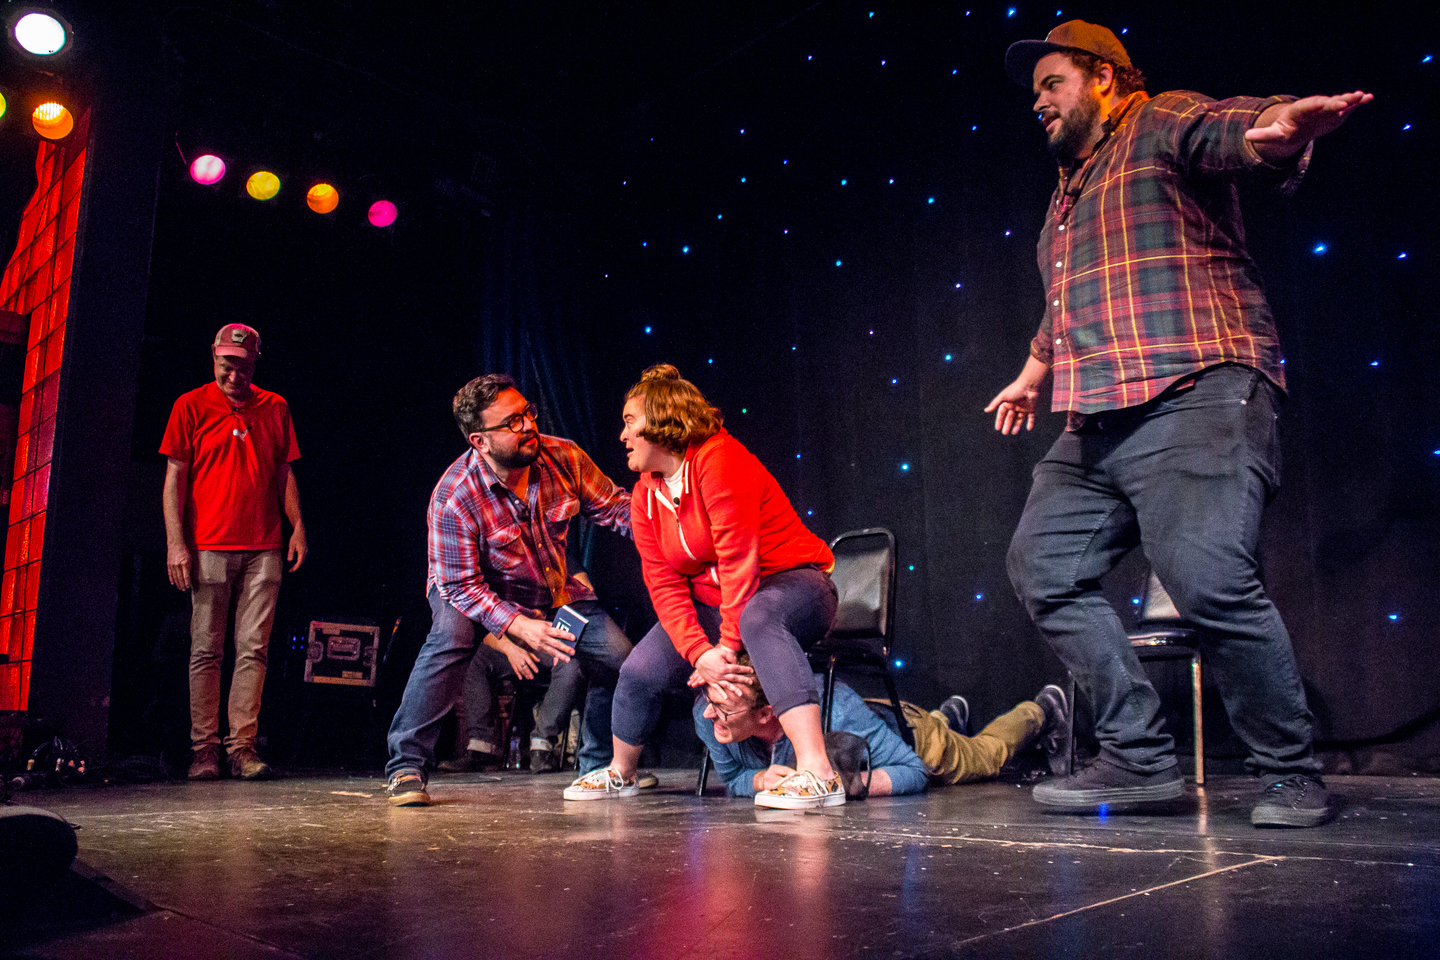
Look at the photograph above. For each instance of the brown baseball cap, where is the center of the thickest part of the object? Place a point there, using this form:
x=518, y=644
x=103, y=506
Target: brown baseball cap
x=1022, y=56
x=237, y=340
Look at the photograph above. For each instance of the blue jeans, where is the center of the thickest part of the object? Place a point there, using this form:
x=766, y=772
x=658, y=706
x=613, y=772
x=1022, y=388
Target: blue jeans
x=439, y=676
x=1185, y=477
x=789, y=612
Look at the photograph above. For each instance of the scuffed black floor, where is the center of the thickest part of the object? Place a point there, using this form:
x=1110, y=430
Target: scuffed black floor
x=503, y=866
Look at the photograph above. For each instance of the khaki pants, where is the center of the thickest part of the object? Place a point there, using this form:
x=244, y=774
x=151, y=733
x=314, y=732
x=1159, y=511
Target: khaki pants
x=950, y=757
x=253, y=578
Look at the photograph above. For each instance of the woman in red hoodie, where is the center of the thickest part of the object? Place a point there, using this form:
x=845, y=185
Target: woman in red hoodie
x=729, y=567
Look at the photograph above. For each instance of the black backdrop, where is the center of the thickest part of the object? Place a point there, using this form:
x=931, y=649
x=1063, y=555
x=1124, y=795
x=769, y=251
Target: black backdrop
x=552, y=164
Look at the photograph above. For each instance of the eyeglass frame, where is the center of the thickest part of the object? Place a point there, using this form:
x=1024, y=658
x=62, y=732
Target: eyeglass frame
x=515, y=423
x=723, y=714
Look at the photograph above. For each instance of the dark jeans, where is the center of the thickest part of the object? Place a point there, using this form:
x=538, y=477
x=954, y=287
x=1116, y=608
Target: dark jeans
x=565, y=685
x=1186, y=477
x=789, y=612
x=439, y=676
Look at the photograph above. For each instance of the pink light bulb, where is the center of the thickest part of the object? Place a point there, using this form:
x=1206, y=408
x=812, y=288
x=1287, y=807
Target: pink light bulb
x=207, y=169
x=382, y=213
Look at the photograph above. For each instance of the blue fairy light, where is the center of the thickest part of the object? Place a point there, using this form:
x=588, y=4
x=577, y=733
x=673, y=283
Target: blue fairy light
x=957, y=286
x=949, y=357
x=979, y=596
x=1319, y=248
x=894, y=380
x=1135, y=600
x=974, y=127
x=1007, y=233
x=1427, y=58
x=1404, y=128
x=684, y=249
x=882, y=63
x=911, y=568
x=644, y=243
x=1374, y=363
x=711, y=360
x=742, y=130
x=892, y=179
x=719, y=216
x=837, y=263
x=809, y=513
x=648, y=329
x=742, y=179
x=1393, y=617
x=904, y=468
x=1402, y=256
x=794, y=346
x=797, y=456
x=843, y=181
x=899, y=664
x=1010, y=12
x=930, y=200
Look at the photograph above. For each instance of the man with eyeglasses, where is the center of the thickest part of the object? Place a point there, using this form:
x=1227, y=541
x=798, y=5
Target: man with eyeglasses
x=751, y=753
x=498, y=520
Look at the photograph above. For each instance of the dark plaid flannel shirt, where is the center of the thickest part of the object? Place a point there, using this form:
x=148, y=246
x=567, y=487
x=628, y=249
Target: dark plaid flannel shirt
x=1143, y=255
x=494, y=557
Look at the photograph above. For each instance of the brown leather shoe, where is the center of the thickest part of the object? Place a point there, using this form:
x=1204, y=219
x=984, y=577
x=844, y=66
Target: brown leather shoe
x=205, y=763
x=246, y=764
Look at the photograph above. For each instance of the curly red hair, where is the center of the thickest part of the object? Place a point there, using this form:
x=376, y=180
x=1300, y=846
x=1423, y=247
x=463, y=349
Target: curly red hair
x=676, y=412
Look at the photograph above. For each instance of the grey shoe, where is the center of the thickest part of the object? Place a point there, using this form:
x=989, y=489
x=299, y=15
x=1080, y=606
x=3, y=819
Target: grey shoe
x=957, y=713
x=205, y=764
x=407, y=789
x=1292, y=800
x=1103, y=783
x=246, y=764
x=1054, y=736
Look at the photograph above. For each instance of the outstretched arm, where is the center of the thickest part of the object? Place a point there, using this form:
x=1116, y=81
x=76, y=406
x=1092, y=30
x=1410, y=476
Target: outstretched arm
x=1014, y=407
x=1284, y=129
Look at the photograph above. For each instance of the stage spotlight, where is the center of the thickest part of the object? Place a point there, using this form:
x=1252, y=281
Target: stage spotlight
x=52, y=120
x=322, y=198
x=262, y=185
x=39, y=32
x=382, y=213
x=207, y=169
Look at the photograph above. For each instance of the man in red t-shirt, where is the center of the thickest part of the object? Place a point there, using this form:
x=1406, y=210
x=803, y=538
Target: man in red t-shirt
x=229, y=445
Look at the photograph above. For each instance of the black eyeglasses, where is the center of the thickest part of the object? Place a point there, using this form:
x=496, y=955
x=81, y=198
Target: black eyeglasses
x=725, y=715
x=515, y=422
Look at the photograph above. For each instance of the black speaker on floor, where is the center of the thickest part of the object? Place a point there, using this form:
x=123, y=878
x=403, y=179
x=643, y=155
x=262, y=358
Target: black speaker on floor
x=38, y=847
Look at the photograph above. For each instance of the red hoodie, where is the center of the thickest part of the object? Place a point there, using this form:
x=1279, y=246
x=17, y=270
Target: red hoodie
x=731, y=526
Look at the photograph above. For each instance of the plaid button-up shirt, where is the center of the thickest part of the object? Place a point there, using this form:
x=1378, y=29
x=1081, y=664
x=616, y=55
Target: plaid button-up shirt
x=1143, y=255
x=494, y=556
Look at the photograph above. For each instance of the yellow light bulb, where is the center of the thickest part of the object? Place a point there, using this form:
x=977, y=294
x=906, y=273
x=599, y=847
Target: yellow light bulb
x=262, y=185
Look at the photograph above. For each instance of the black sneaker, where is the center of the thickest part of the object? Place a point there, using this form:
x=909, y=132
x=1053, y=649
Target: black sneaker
x=1104, y=783
x=957, y=714
x=407, y=789
x=473, y=761
x=544, y=759
x=1292, y=800
x=1054, y=736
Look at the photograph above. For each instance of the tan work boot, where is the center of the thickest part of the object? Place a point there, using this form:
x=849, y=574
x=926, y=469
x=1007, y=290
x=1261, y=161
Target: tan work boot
x=246, y=764
x=205, y=763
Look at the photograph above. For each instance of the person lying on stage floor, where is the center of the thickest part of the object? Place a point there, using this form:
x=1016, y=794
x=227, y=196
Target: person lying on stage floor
x=751, y=752
x=729, y=567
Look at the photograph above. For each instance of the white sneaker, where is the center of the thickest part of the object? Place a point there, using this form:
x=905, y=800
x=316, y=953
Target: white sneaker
x=602, y=784
x=803, y=791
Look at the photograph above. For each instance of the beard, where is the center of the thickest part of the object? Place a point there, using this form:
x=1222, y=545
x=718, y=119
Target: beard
x=519, y=457
x=1075, y=130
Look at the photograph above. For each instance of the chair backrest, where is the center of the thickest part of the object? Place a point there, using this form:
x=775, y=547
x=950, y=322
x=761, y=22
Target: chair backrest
x=864, y=576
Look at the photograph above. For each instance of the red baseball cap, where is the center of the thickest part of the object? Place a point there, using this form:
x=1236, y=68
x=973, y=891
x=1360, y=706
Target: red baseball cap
x=237, y=340
x=1022, y=56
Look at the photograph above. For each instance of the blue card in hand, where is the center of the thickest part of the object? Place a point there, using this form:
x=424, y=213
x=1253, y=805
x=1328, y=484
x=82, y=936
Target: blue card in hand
x=569, y=620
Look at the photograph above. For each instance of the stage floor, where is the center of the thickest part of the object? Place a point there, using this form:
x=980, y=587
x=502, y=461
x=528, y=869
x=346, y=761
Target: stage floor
x=502, y=866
